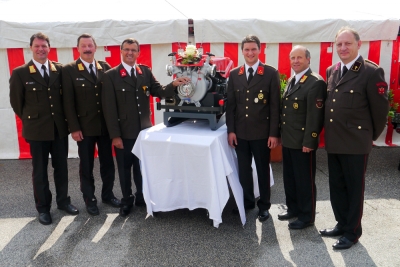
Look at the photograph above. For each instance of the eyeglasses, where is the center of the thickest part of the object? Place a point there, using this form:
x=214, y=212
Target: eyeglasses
x=131, y=50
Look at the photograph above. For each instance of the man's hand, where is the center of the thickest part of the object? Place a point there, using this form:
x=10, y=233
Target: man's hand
x=307, y=150
x=180, y=80
x=232, y=141
x=117, y=142
x=77, y=136
x=273, y=142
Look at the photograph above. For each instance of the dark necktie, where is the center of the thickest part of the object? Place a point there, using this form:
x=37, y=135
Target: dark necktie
x=250, y=75
x=344, y=71
x=292, y=83
x=92, y=73
x=45, y=75
x=133, y=76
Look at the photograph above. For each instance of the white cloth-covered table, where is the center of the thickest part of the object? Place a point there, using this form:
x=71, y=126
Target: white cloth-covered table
x=186, y=166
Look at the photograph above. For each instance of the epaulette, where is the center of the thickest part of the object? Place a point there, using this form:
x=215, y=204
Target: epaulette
x=144, y=65
x=373, y=63
x=269, y=66
x=316, y=75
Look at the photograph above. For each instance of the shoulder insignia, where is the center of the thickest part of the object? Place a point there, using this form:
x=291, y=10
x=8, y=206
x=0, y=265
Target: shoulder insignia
x=356, y=66
x=319, y=102
x=316, y=75
x=98, y=66
x=382, y=86
x=241, y=70
x=81, y=67
x=32, y=69
x=373, y=63
x=260, y=70
x=270, y=66
x=303, y=79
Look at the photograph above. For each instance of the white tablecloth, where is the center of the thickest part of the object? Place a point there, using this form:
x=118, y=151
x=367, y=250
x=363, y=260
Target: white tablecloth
x=186, y=166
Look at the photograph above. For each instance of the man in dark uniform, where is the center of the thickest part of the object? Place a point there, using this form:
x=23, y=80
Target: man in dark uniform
x=301, y=123
x=355, y=114
x=35, y=96
x=126, y=104
x=252, y=118
x=82, y=104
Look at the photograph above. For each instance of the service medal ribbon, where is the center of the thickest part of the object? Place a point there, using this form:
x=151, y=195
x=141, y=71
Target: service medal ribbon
x=81, y=67
x=122, y=72
x=98, y=66
x=32, y=69
x=260, y=70
x=241, y=71
x=138, y=70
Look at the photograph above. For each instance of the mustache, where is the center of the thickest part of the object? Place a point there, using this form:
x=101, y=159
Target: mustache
x=87, y=52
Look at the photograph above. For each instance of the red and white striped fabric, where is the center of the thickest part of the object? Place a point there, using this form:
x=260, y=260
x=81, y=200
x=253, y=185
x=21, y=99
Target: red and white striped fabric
x=13, y=145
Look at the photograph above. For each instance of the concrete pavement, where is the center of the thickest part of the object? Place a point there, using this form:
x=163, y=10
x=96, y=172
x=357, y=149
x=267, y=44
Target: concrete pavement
x=186, y=238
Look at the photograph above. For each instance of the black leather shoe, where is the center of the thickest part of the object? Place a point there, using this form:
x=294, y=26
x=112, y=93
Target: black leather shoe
x=45, y=218
x=297, y=224
x=92, y=210
x=114, y=202
x=286, y=216
x=69, y=208
x=140, y=202
x=331, y=232
x=343, y=243
x=263, y=215
x=236, y=210
x=125, y=210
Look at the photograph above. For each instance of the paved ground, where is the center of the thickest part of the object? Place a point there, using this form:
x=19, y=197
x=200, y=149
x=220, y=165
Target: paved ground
x=185, y=238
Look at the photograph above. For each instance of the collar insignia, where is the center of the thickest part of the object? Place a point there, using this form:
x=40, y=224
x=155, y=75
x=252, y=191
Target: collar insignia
x=81, y=67
x=241, y=71
x=32, y=69
x=98, y=66
x=260, y=70
x=52, y=67
x=122, y=72
x=138, y=70
x=303, y=79
x=356, y=66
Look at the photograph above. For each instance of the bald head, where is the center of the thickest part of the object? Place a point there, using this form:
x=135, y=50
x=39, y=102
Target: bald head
x=299, y=58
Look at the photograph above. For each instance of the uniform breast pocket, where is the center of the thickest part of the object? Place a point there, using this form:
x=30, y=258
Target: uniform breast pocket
x=34, y=91
x=122, y=93
x=239, y=95
x=298, y=105
x=352, y=98
x=82, y=88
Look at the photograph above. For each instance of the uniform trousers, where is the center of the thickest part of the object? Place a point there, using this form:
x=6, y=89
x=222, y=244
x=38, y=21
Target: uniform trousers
x=126, y=160
x=40, y=150
x=245, y=151
x=86, y=149
x=346, y=186
x=299, y=183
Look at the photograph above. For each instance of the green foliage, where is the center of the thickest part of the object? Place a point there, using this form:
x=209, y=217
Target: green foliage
x=393, y=105
x=283, y=79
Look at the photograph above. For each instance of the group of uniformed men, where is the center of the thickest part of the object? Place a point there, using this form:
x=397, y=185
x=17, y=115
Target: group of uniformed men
x=108, y=107
x=352, y=106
